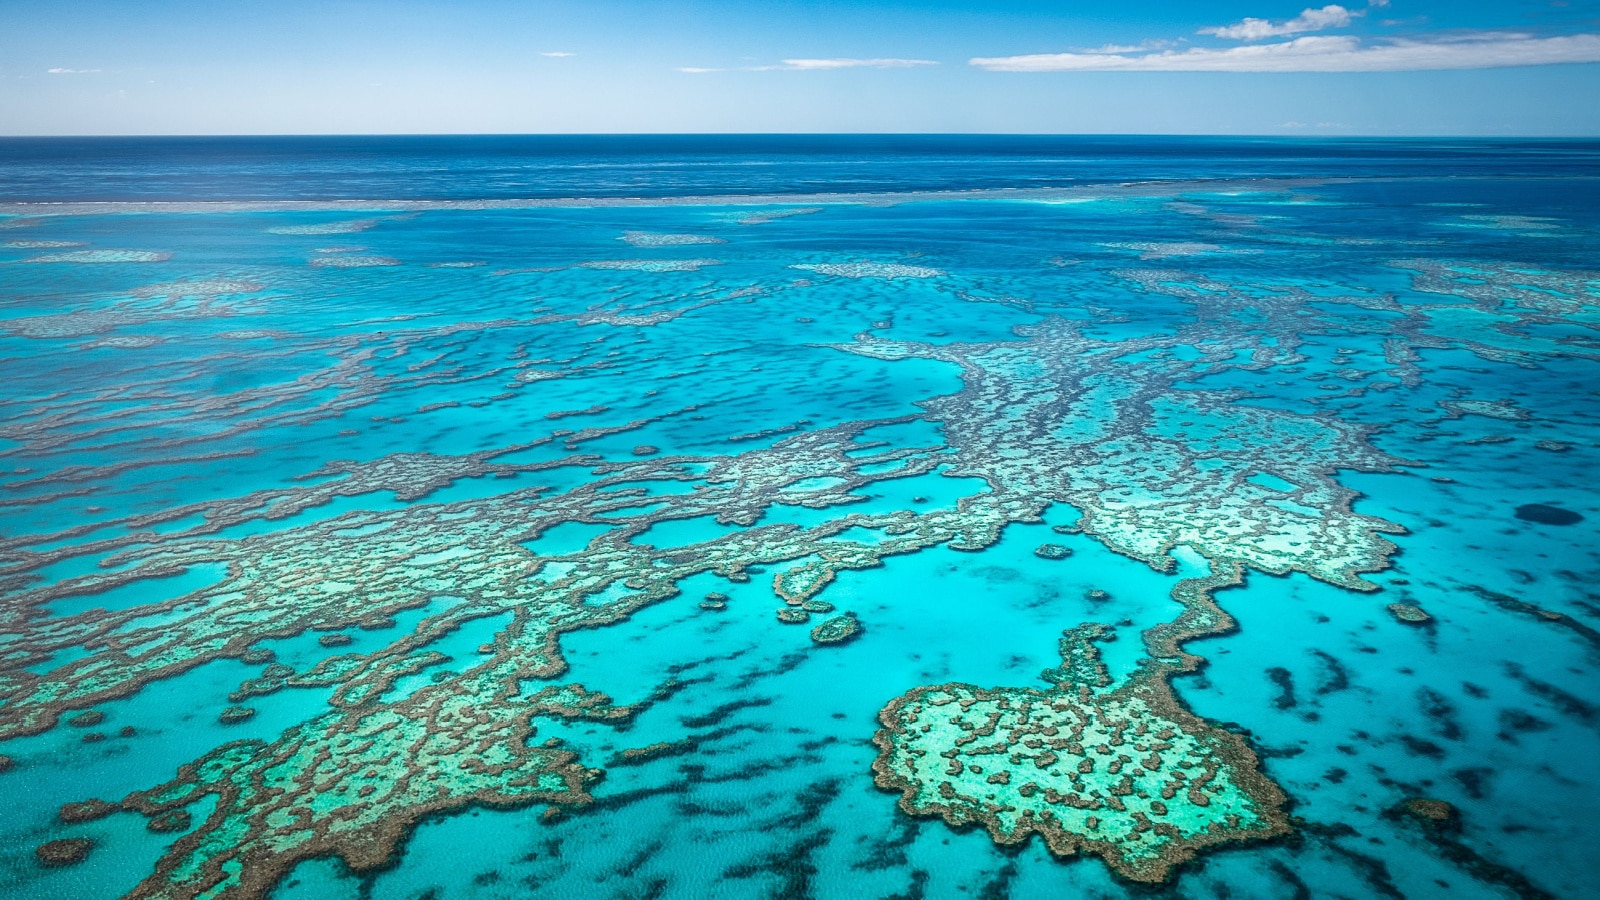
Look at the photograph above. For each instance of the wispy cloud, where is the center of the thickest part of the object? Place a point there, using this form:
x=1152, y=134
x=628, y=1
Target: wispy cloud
x=1481, y=50
x=819, y=65
x=557, y=54
x=1252, y=29
x=1132, y=48
x=59, y=71
x=1330, y=16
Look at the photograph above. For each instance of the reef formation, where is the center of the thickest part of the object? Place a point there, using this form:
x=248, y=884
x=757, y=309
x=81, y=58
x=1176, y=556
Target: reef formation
x=1125, y=774
x=1144, y=436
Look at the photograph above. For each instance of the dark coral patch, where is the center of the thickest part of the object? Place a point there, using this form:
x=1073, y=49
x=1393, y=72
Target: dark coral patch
x=1545, y=514
x=1411, y=615
x=85, y=811
x=67, y=852
x=170, y=821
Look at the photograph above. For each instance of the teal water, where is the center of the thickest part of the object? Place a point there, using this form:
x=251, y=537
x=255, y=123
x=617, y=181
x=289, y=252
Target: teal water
x=398, y=478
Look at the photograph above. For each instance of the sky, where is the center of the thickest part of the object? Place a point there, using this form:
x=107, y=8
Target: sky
x=1364, y=67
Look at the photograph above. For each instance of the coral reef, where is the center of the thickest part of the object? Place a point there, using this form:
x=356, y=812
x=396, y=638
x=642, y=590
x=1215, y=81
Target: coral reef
x=653, y=239
x=1125, y=774
x=102, y=256
x=353, y=262
x=837, y=630
x=64, y=852
x=869, y=270
x=351, y=783
x=651, y=265
x=1411, y=615
x=1147, y=435
x=85, y=811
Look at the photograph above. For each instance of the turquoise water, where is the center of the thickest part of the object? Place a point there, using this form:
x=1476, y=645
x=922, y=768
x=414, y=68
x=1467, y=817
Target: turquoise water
x=426, y=483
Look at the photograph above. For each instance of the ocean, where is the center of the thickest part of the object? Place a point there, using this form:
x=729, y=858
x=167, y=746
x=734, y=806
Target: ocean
x=799, y=516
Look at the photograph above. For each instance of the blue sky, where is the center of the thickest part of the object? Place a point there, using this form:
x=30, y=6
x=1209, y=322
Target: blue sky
x=1511, y=67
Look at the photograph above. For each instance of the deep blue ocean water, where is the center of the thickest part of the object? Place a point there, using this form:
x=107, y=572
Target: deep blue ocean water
x=331, y=465
x=556, y=166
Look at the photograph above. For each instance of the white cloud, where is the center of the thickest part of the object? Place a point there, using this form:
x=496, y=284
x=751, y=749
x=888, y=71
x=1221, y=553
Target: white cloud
x=1486, y=50
x=71, y=71
x=557, y=54
x=1132, y=48
x=1330, y=16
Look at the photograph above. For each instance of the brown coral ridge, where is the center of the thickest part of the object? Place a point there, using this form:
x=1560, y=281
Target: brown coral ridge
x=1224, y=758
x=263, y=786
x=373, y=777
x=1007, y=426
x=383, y=564
x=1151, y=466
x=633, y=756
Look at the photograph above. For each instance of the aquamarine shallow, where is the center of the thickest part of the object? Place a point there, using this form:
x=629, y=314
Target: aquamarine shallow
x=339, y=502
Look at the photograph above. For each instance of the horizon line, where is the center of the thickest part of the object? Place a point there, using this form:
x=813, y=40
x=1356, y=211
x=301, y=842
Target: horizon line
x=1291, y=134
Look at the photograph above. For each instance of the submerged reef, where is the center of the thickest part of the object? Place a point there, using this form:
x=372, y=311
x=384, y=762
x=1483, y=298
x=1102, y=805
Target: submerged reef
x=869, y=270
x=103, y=256
x=1545, y=514
x=347, y=227
x=652, y=239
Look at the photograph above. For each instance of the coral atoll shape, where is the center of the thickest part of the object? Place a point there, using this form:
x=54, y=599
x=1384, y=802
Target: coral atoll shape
x=1125, y=774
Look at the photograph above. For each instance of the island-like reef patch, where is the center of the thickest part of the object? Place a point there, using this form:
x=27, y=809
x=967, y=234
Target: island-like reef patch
x=1126, y=774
